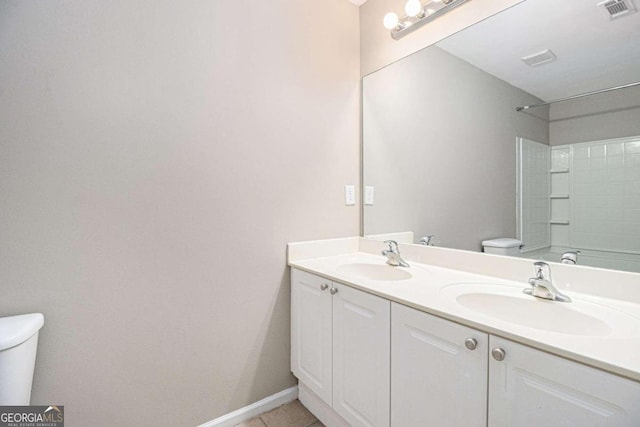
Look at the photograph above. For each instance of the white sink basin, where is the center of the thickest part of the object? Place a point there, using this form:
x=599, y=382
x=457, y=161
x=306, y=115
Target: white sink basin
x=382, y=272
x=535, y=313
x=508, y=303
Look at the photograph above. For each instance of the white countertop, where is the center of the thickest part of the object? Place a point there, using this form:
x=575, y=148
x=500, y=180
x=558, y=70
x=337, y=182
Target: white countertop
x=429, y=290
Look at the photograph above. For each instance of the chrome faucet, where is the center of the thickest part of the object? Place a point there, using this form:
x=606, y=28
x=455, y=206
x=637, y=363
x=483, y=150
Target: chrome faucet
x=393, y=254
x=542, y=285
x=426, y=240
x=570, y=257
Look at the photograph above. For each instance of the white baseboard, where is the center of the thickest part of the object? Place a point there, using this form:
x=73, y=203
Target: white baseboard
x=255, y=409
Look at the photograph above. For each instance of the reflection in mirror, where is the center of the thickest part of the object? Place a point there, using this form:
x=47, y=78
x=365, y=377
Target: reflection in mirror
x=448, y=154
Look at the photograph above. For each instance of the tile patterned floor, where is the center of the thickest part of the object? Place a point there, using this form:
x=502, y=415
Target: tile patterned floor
x=290, y=415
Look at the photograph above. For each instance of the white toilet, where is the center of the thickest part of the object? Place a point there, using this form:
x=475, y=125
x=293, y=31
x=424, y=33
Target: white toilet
x=18, y=346
x=502, y=246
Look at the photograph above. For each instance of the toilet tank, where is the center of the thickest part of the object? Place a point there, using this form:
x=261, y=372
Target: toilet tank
x=18, y=345
x=502, y=246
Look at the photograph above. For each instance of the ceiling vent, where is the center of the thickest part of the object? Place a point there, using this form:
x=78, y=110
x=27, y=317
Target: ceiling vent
x=618, y=8
x=539, y=58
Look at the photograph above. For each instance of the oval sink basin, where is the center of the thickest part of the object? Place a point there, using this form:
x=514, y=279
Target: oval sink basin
x=535, y=313
x=381, y=272
x=507, y=303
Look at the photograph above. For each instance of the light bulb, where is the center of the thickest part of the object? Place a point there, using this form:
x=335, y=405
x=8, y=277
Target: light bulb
x=413, y=8
x=390, y=21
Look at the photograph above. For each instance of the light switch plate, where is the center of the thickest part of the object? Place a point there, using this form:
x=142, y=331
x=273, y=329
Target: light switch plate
x=349, y=195
x=368, y=195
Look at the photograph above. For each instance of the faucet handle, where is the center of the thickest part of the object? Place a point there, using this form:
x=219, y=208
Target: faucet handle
x=569, y=257
x=393, y=245
x=542, y=270
x=426, y=240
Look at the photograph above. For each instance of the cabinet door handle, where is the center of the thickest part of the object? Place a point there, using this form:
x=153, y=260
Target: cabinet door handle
x=471, y=343
x=498, y=354
x=333, y=291
x=324, y=287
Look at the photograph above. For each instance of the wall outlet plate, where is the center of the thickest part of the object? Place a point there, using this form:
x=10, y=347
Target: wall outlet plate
x=349, y=195
x=368, y=195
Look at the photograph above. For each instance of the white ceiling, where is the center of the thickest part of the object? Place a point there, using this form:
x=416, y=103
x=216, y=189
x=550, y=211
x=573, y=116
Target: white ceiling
x=358, y=2
x=593, y=51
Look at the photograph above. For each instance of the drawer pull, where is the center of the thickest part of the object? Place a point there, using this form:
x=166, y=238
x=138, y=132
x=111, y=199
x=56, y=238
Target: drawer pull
x=498, y=354
x=471, y=343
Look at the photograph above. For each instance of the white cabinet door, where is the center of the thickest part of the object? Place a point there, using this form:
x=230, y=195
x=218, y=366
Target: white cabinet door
x=361, y=353
x=435, y=379
x=311, y=350
x=533, y=388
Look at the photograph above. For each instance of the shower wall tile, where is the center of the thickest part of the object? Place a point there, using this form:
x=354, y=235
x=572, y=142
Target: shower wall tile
x=560, y=183
x=560, y=158
x=581, y=152
x=632, y=187
x=597, y=151
x=615, y=149
x=560, y=209
x=580, y=165
x=605, y=195
x=615, y=161
x=632, y=147
x=560, y=235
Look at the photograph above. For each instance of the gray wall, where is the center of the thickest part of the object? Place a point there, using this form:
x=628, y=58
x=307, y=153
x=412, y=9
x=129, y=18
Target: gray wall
x=604, y=116
x=155, y=159
x=440, y=149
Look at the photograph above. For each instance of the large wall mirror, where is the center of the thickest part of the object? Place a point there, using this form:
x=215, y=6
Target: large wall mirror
x=446, y=153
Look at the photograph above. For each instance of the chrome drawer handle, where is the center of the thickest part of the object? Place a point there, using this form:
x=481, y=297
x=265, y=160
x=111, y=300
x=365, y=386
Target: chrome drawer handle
x=498, y=354
x=471, y=343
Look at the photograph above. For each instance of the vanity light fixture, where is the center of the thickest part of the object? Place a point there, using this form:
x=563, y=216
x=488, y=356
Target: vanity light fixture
x=417, y=14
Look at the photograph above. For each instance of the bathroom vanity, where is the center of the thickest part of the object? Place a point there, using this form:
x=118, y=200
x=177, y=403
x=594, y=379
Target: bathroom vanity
x=375, y=345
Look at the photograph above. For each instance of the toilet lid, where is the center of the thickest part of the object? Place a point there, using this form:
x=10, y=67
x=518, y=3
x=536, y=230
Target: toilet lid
x=502, y=243
x=15, y=330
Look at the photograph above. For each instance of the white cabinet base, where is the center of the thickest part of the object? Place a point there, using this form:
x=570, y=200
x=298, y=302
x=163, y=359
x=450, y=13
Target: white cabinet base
x=340, y=351
x=349, y=354
x=317, y=407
